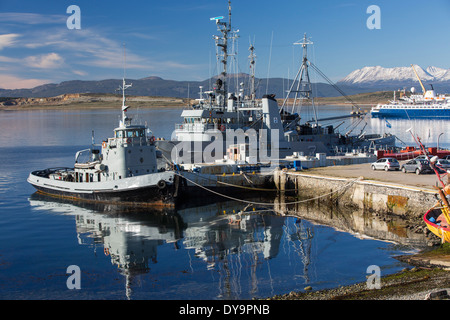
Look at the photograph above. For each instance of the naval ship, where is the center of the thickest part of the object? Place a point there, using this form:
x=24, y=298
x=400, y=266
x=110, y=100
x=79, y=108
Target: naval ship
x=217, y=116
x=122, y=169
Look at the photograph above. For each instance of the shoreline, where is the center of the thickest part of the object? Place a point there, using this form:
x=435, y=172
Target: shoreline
x=89, y=102
x=91, y=107
x=86, y=101
x=113, y=106
x=430, y=274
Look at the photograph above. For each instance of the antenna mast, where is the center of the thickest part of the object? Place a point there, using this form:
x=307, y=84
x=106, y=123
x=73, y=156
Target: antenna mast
x=252, y=57
x=304, y=88
x=222, y=42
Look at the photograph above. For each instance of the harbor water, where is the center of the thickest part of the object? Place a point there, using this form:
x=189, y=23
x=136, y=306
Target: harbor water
x=224, y=250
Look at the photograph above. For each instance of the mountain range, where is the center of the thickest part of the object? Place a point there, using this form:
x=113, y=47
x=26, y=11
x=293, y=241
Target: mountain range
x=399, y=77
x=156, y=86
x=367, y=79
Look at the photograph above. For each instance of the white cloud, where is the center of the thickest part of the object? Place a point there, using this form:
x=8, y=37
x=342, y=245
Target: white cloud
x=60, y=54
x=32, y=18
x=79, y=72
x=45, y=61
x=7, y=40
x=8, y=59
x=13, y=82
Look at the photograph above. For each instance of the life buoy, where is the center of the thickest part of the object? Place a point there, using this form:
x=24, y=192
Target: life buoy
x=152, y=139
x=222, y=128
x=161, y=184
x=104, y=144
x=106, y=251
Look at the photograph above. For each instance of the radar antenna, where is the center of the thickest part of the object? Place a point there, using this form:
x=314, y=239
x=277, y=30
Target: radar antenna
x=125, y=120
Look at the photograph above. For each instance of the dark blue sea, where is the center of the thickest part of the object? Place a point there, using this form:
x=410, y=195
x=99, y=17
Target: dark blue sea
x=206, y=252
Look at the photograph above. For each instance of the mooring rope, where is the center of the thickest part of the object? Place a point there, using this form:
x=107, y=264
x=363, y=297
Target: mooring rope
x=235, y=185
x=266, y=203
x=254, y=188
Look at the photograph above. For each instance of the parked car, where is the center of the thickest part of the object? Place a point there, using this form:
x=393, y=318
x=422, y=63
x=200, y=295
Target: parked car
x=442, y=164
x=417, y=166
x=386, y=164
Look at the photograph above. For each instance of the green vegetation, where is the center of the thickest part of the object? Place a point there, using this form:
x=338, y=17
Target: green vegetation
x=91, y=100
x=441, y=250
x=360, y=98
x=108, y=100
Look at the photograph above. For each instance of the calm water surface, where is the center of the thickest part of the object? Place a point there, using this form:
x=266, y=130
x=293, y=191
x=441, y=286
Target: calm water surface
x=206, y=252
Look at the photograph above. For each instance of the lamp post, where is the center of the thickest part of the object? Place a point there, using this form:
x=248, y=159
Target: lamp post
x=438, y=139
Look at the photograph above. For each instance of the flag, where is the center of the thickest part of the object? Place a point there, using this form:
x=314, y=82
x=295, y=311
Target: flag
x=388, y=124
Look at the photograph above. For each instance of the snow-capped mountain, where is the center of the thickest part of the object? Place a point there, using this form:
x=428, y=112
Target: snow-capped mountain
x=398, y=75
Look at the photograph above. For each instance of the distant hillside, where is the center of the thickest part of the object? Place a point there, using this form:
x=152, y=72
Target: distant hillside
x=156, y=86
x=91, y=100
x=360, y=99
x=367, y=79
x=103, y=100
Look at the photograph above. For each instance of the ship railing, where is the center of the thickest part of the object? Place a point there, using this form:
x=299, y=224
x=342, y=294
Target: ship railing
x=135, y=141
x=199, y=127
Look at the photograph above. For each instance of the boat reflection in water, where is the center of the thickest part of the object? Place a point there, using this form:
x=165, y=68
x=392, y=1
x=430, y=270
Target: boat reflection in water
x=239, y=252
x=131, y=238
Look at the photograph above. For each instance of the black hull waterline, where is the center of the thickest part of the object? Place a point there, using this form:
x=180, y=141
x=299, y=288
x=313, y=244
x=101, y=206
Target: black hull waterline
x=158, y=190
x=146, y=196
x=178, y=194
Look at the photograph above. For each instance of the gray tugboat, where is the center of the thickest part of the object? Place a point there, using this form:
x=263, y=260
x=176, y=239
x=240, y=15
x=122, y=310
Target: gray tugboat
x=122, y=169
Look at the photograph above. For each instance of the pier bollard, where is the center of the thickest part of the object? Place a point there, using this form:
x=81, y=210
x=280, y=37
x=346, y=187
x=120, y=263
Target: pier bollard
x=283, y=180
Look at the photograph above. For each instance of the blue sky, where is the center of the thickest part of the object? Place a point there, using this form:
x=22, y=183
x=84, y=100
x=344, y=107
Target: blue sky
x=173, y=39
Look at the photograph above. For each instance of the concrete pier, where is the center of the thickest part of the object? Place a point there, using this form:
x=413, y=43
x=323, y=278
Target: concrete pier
x=389, y=192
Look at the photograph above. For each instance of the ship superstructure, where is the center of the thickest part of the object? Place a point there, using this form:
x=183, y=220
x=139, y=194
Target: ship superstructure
x=214, y=120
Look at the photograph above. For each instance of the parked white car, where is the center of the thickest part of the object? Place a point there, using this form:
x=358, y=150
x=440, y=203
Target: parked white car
x=386, y=164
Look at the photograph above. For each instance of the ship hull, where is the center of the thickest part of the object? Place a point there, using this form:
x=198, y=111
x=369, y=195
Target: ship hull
x=146, y=190
x=411, y=113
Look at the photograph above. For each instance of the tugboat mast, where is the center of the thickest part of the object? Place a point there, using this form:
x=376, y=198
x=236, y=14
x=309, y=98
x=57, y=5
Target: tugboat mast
x=125, y=120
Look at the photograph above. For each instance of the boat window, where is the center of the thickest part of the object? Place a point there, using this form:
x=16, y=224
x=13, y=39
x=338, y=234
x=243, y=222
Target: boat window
x=119, y=134
x=135, y=133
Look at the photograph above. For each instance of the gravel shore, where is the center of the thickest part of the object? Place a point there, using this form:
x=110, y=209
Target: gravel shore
x=422, y=282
